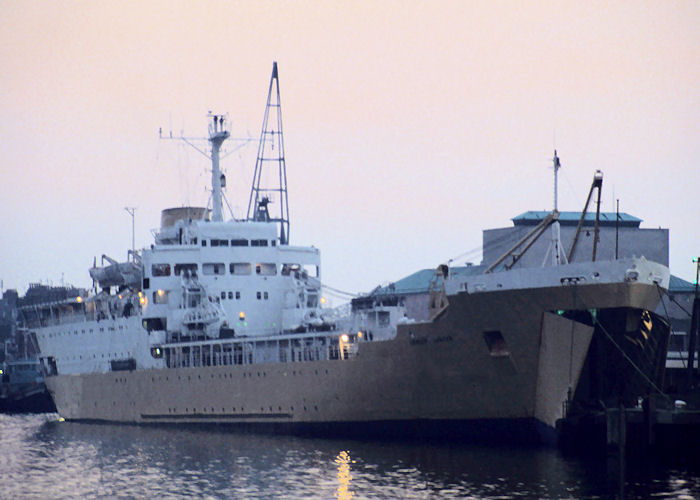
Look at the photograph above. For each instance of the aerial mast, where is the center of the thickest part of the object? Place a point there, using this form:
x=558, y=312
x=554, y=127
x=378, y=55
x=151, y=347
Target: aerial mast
x=555, y=246
x=271, y=152
x=217, y=135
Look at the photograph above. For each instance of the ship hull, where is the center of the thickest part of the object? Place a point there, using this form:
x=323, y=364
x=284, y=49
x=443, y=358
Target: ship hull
x=494, y=360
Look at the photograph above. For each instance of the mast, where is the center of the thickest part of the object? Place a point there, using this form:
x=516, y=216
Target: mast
x=555, y=246
x=217, y=135
x=271, y=152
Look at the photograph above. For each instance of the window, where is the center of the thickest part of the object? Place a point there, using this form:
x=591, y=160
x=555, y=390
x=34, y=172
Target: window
x=186, y=268
x=238, y=295
x=204, y=243
x=311, y=270
x=219, y=243
x=265, y=296
x=496, y=343
x=160, y=270
x=288, y=269
x=383, y=318
x=266, y=269
x=258, y=243
x=257, y=295
x=210, y=268
x=240, y=268
x=223, y=295
x=312, y=300
x=160, y=297
x=239, y=243
x=230, y=295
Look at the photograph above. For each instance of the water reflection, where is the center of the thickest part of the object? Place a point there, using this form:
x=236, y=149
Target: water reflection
x=344, y=477
x=43, y=457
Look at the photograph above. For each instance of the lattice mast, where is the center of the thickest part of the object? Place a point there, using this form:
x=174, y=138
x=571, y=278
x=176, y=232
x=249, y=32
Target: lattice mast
x=271, y=153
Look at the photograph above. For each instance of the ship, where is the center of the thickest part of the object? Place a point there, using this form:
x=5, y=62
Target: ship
x=22, y=388
x=223, y=322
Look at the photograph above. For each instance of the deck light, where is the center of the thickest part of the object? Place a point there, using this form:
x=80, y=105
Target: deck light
x=344, y=337
x=78, y=299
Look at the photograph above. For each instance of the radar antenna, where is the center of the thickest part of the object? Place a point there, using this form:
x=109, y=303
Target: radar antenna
x=271, y=151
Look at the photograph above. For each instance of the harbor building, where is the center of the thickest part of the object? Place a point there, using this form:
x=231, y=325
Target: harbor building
x=619, y=237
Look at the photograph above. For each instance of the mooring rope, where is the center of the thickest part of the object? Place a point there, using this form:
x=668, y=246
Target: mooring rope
x=668, y=318
x=629, y=360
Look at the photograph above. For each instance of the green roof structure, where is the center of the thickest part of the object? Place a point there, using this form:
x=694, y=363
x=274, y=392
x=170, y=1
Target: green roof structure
x=532, y=218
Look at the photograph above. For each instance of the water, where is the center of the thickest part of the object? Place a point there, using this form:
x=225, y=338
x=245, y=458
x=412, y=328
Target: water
x=42, y=457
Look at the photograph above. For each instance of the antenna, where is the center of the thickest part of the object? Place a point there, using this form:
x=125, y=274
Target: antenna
x=557, y=166
x=271, y=151
x=218, y=133
x=132, y=211
x=555, y=246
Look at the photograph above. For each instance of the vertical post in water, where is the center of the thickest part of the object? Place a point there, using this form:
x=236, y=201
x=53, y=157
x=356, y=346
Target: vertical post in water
x=693, y=334
x=617, y=227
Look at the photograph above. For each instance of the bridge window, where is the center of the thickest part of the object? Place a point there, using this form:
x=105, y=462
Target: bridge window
x=240, y=268
x=311, y=270
x=219, y=243
x=188, y=268
x=288, y=269
x=266, y=269
x=160, y=270
x=239, y=243
x=258, y=243
x=210, y=268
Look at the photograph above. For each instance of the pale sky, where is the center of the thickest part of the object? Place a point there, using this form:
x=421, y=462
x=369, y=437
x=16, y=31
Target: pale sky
x=409, y=126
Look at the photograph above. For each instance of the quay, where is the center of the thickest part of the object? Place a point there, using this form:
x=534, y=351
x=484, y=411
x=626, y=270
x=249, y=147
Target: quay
x=658, y=427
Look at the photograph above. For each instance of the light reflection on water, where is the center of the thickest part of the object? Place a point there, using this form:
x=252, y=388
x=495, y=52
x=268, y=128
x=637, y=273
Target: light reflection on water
x=42, y=457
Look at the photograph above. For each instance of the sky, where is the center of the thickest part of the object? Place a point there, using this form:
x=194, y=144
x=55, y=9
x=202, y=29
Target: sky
x=409, y=126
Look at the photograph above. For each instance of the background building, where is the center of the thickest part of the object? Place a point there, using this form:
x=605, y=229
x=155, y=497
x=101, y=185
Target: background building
x=622, y=236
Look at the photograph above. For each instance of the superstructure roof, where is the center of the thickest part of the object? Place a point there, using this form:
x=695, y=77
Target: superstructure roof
x=532, y=218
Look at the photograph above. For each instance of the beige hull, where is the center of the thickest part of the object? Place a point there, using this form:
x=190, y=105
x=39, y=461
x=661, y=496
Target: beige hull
x=442, y=370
